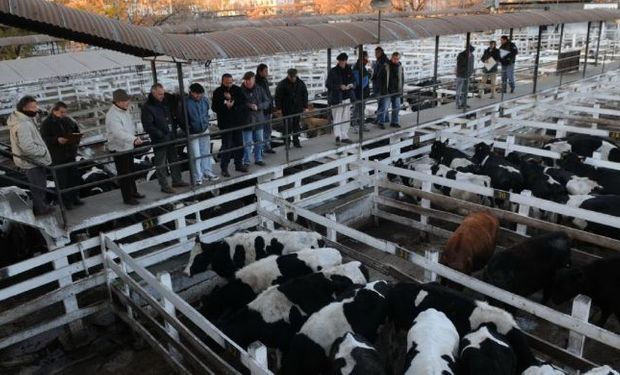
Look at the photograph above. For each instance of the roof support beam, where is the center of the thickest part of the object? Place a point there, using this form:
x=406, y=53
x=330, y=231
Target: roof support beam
x=537, y=61
x=190, y=157
x=585, y=62
x=598, y=42
x=154, y=71
x=469, y=68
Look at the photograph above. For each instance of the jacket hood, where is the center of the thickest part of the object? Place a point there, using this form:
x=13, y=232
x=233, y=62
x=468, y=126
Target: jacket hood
x=15, y=118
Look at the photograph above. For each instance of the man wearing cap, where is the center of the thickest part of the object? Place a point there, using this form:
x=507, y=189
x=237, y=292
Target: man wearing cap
x=157, y=121
x=341, y=92
x=464, y=70
x=121, y=133
x=292, y=99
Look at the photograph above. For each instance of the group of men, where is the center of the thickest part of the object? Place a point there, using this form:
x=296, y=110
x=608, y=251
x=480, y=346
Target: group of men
x=347, y=85
x=492, y=58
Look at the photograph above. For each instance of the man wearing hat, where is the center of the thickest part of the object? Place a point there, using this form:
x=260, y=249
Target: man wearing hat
x=341, y=92
x=121, y=134
x=464, y=70
x=292, y=99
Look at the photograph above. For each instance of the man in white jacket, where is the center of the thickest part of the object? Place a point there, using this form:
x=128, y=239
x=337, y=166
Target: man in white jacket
x=30, y=152
x=121, y=134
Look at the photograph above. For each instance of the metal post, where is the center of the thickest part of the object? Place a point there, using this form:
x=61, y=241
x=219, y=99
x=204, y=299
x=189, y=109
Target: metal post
x=598, y=42
x=511, y=34
x=184, y=109
x=379, y=29
x=154, y=71
x=436, y=66
x=585, y=64
x=61, y=203
x=540, y=30
x=467, y=40
x=329, y=59
x=561, y=40
x=362, y=100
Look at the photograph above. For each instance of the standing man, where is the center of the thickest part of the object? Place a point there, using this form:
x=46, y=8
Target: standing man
x=361, y=75
x=30, y=152
x=121, y=134
x=292, y=99
x=262, y=80
x=378, y=65
x=200, y=147
x=58, y=132
x=392, y=81
x=157, y=121
x=464, y=70
x=229, y=104
x=508, y=55
x=491, y=59
x=341, y=92
x=256, y=102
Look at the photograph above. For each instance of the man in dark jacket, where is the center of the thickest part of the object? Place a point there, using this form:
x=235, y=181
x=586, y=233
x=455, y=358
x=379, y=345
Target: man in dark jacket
x=158, y=123
x=58, y=131
x=380, y=60
x=256, y=102
x=262, y=80
x=341, y=92
x=464, y=70
x=391, y=81
x=491, y=59
x=229, y=104
x=508, y=55
x=292, y=99
x=361, y=75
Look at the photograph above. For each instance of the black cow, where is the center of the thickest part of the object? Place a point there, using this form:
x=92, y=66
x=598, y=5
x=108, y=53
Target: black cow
x=354, y=355
x=486, y=352
x=540, y=184
x=448, y=156
x=531, y=265
x=361, y=314
x=609, y=179
x=605, y=204
x=278, y=313
x=405, y=301
x=254, y=278
x=599, y=280
x=585, y=145
x=504, y=175
x=95, y=174
x=573, y=184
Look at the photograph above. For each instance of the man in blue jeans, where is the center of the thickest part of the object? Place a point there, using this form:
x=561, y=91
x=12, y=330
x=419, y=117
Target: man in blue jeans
x=464, y=70
x=256, y=102
x=200, y=147
x=392, y=80
x=377, y=66
x=508, y=54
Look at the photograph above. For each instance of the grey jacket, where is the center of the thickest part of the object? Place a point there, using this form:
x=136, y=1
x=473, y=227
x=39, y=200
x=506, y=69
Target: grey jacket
x=120, y=129
x=257, y=96
x=27, y=145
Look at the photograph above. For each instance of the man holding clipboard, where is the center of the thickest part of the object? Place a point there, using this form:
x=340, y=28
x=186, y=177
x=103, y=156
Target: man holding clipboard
x=62, y=137
x=490, y=58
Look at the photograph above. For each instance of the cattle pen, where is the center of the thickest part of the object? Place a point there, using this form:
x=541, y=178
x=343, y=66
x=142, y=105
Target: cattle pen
x=335, y=193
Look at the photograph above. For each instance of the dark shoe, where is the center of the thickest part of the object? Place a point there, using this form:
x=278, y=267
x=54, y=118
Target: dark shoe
x=138, y=195
x=261, y=163
x=168, y=190
x=381, y=126
x=347, y=141
x=242, y=168
x=225, y=174
x=270, y=151
x=46, y=211
x=337, y=140
x=180, y=184
x=78, y=202
x=132, y=202
x=512, y=90
x=394, y=125
x=297, y=145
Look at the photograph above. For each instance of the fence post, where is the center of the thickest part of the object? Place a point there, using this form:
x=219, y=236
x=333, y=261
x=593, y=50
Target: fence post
x=70, y=303
x=425, y=203
x=510, y=140
x=166, y=281
x=375, y=195
x=581, y=311
x=433, y=256
x=524, y=210
x=258, y=351
x=331, y=233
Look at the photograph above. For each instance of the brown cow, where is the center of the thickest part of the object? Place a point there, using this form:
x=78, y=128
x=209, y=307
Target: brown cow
x=472, y=244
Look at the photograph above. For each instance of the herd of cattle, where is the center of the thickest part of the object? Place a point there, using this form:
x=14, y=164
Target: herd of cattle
x=324, y=316
x=569, y=181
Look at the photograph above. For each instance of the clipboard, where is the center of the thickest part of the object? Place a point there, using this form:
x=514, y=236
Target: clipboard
x=503, y=53
x=490, y=63
x=74, y=138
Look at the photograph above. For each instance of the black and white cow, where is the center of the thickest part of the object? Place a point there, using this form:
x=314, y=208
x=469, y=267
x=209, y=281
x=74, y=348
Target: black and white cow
x=354, y=355
x=406, y=300
x=572, y=183
x=531, y=265
x=543, y=369
x=485, y=352
x=585, y=145
x=92, y=175
x=361, y=314
x=602, y=370
x=599, y=280
x=276, y=314
x=432, y=345
x=256, y=277
x=232, y=253
x=540, y=184
x=605, y=204
x=448, y=156
x=504, y=175
x=470, y=178
x=608, y=179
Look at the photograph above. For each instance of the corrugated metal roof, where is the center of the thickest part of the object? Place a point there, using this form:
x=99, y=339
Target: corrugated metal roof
x=60, y=21
x=42, y=67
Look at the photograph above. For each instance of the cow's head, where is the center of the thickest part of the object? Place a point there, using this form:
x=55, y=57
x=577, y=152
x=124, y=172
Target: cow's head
x=566, y=285
x=570, y=161
x=437, y=149
x=481, y=150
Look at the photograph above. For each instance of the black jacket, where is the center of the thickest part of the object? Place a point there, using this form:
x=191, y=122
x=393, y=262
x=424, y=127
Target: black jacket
x=264, y=83
x=377, y=66
x=53, y=128
x=386, y=82
x=512, y=53
x=291, y=98
x=236, y=115
x=335, y=78
x=488, y=53
x=157, y=120
x=364, y=81
x=464, y=65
